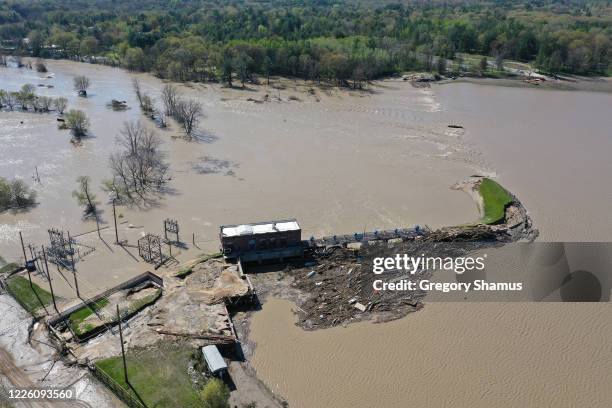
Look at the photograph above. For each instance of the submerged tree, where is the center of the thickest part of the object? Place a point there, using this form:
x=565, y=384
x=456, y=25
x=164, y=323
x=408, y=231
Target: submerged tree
x=144, y=100
x=139, y=168
x=78, y=122
x=60, y=104
x=81, y=84
x=85, y=197
x=169, y=99
x=15, y=194
x=188, y=114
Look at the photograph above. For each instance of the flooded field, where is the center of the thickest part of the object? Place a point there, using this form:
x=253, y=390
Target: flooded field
x=338, y=162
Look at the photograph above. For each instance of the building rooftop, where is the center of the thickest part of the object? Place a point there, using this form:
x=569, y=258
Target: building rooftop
x=259, y=228
x=213, y=358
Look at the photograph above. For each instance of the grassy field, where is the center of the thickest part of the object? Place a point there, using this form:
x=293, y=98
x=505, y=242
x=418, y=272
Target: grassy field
x=495, y=199
x=77, y=318
x=31, y=298
x=159, y=375
x=9, y=267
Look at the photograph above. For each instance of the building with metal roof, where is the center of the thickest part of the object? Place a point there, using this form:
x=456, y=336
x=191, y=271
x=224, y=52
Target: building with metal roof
x=214, y=360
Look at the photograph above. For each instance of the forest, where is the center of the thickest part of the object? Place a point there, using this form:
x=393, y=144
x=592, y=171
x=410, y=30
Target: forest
x=339, y=42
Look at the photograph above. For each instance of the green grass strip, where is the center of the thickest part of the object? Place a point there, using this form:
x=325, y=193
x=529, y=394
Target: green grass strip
x=29, y=297
x=495, y=199
x=80, y=315
x=9, y=267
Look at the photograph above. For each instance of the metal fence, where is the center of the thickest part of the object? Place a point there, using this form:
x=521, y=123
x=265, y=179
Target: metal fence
x=123, y=394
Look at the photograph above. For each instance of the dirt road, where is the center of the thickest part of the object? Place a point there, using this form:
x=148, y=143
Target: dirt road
x=19, y=379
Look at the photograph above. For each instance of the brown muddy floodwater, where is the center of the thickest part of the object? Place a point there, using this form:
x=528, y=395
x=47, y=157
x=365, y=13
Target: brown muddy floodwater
x=338, y=162
x=342, y=162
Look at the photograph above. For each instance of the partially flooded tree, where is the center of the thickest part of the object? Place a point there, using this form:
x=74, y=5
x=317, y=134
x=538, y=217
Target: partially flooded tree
x=15, y=194
x=78, y=122
x=139, y=168
x=60, y=104
x=81, y=84
x=170, y=99
x=40, y=66
x=26, y=96
x=189, y=112
x=85, y=197
x=144, y=100
x=9, y=99
x=44, y=103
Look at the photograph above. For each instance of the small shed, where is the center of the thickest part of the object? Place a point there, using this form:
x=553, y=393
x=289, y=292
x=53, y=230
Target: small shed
x=214, y=360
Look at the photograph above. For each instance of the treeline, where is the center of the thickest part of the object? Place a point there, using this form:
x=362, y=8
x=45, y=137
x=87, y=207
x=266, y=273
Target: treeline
x=343, y=42
x=27, y=100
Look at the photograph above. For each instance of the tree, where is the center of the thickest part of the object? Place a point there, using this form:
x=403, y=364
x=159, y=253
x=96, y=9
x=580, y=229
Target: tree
x=10, y=99
x=44, y=103
x=139, y=167
x=85, y=197
x=40, y=66
x=15, y=194
x=169, y=98
x=134, y=59
x=441, y=65
x=483, y=64
x=26, y=96
x=499, y=60
x=81, y=84
x=215, y=394
x=188, y=114
x=78, y=122
x=60, y=104
x=144, y=100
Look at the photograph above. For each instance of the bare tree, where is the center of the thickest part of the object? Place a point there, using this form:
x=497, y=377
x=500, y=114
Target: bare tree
x=45, y=103
x=10, y=99
x=169, y=99
x=144, y=99
x=81, y=84
x=189, y=112
x=60, y=104
x=139, y=167
x=85, y=197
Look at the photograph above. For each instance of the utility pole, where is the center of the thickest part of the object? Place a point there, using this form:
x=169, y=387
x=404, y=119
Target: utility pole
x=49, y=278
x=115, y=217
x=25, y=257
x=25, y=260
x=125, y=373
x=76, y=283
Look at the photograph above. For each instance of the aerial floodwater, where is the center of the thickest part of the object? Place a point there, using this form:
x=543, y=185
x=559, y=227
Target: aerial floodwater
x=339, y=162
x=342, y=162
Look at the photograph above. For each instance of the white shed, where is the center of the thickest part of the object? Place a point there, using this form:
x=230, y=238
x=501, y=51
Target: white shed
x=214, y=360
